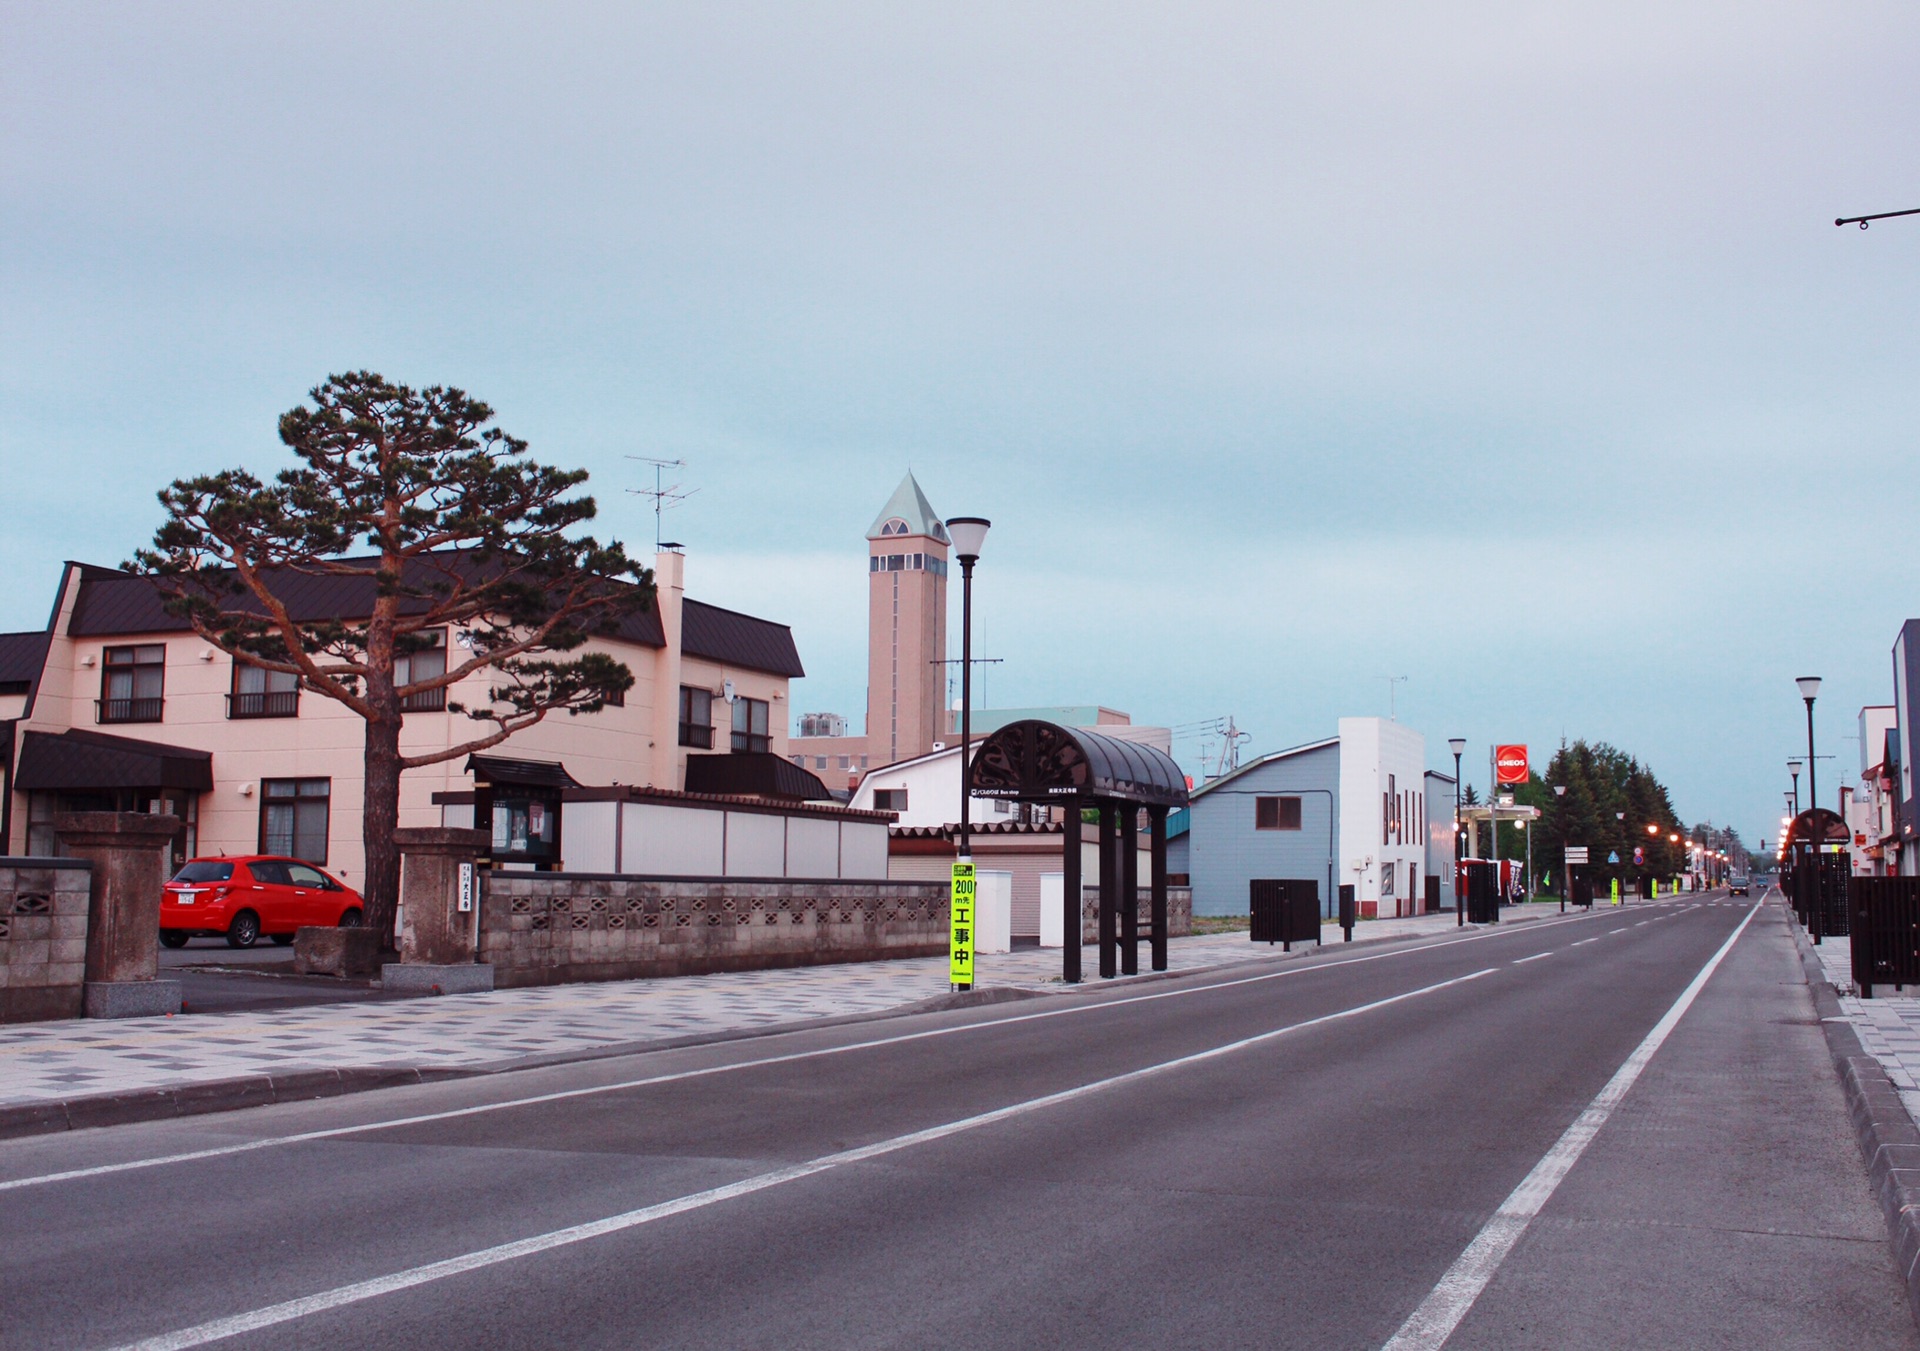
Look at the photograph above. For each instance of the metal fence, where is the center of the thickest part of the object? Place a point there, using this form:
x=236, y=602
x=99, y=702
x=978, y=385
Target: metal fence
x=1885, y=931
x=1284, y=910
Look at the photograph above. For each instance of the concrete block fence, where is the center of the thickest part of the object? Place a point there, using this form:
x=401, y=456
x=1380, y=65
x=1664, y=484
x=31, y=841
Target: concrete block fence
x=553, y=928
x=1179, y=913
x=43, y=937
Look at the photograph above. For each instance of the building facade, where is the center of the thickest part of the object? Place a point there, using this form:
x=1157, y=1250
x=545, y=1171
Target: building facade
x=127, y=709
x=1352, y=810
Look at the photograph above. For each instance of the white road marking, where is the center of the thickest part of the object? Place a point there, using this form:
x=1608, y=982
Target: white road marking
x=647, y=1081
x=274, y=1314
x=1583, y=942
x=1536, y=957
x=1643, y=924
x=1448, y=1302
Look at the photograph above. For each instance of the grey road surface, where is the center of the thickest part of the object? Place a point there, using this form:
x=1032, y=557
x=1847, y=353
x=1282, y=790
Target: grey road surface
x=1290, y=1155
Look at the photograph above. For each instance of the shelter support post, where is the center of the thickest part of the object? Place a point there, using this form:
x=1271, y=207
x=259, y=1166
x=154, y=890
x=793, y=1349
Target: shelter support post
x=1071, y=889
x=1157, y=837
x=1109, y=887
x=1129, y=889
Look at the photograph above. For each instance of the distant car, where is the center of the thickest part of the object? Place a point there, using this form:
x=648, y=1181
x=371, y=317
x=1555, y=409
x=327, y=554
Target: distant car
x=1738, y=886
x=241, y=898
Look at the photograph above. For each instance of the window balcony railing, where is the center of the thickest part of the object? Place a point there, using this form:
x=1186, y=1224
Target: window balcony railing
x=264, y=704
x=128, y=710
x=697, y=735
x=427, y=701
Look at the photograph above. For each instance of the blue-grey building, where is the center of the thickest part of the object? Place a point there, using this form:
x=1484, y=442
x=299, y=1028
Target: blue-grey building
x=1358, y=809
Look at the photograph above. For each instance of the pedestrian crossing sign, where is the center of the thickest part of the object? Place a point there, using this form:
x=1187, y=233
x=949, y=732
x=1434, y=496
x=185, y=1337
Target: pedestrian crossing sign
x=960, y=925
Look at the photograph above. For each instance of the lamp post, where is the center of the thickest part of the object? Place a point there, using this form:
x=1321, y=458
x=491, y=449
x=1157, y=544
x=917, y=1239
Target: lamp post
x=1809, y=688
x=1621, y=819
x=1458, y=745
x=1793, y=768
x=968, y=533
x=1566, y=869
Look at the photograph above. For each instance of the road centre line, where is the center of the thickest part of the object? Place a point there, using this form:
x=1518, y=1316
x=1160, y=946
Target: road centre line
x=274, y=1314
x=1583, y=942
x=1522, y=961
x=1430, y=1325
x=646, y=1081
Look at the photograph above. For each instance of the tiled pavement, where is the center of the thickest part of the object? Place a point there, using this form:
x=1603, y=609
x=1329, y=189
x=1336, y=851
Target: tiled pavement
x=1888, y=1025
x=49, y=1061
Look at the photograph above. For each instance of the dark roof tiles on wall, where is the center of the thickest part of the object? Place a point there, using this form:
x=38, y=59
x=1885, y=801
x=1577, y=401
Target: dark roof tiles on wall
x=112, y=603
x=22, y=655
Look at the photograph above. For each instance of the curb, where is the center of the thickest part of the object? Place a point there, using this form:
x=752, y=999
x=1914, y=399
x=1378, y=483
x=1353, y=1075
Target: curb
x=1888, y=1138
x=196, y=1099
x=261, y=1090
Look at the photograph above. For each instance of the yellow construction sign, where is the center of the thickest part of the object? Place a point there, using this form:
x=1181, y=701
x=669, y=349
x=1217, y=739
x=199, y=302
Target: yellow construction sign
x=960, y=928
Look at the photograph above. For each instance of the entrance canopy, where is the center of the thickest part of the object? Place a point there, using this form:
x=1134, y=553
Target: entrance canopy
x=78, y=760
x=1817, y=828
x=1035, y=761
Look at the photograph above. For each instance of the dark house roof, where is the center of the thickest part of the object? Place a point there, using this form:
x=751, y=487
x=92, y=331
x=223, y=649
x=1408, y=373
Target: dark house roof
x=500, y=769
x=113, y=602
x=77, y=760
x=22, y=656
x=753, y=774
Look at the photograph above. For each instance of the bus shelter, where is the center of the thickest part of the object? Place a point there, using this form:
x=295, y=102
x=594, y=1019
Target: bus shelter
x=1078, y=770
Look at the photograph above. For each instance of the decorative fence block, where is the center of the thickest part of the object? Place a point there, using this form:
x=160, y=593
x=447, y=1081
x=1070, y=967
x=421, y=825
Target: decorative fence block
x=551, y=928
x=43, y=938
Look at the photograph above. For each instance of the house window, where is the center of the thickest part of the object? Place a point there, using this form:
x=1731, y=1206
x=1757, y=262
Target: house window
x=259, y=693
x=889, y=799
x=749, y=724
x=426, y=663
x=696, y=718
x=1276, y=813
x=132, y=682
x=293, y=818
x=819, y=762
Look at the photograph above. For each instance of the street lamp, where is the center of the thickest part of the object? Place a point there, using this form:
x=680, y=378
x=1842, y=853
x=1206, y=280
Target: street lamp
x=1793, y=768
x=1809, y=688
x=968, y=533
x=1566, y=869
x=1458, y=745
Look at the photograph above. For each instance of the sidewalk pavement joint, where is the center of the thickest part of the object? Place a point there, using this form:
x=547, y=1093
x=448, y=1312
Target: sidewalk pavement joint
x=74, y=1074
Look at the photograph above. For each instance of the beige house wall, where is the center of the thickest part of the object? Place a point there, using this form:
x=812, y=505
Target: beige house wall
x=618, y=745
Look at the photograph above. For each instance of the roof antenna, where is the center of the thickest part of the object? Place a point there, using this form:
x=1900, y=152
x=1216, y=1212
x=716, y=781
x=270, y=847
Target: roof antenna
x=1392, y=681
x=664, y=494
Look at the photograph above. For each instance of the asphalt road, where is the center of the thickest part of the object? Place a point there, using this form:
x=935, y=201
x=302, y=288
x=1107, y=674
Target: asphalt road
x=1305, y=1154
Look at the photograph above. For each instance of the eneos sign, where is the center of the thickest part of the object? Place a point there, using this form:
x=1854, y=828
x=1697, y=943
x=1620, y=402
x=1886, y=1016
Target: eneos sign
x=1510, y=763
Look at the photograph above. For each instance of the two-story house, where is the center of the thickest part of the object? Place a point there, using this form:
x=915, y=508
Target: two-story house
x=118, y=705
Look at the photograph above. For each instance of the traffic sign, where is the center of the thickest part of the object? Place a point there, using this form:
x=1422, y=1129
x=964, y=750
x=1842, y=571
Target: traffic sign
x=1576, y=853
x=1613, y=856
x=960, y=925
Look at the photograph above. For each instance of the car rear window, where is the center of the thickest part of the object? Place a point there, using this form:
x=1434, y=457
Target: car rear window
x=199, y=871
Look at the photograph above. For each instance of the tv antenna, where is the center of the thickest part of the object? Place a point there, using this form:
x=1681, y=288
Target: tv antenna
x=664, y=494
x=1392, y=681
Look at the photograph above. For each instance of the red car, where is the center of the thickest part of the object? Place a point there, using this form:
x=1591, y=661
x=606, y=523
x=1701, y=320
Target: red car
x=241, y=898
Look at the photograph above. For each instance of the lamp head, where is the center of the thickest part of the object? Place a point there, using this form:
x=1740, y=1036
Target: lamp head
x=968, y=534
x=1559, y=790
x=1458, y=745
x=1793, y=768
x=1809, y=686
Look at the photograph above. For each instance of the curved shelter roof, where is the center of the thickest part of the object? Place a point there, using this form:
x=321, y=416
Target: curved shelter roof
x=1034, y=761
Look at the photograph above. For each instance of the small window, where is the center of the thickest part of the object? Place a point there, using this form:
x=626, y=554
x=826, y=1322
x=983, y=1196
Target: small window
x=819, y=762
x=750, y=724
x=424, y=663
x=132, y=683
x=889, y=799
x=260, y=693
x=1276, y=813
x=696, y=718
x=293, y=817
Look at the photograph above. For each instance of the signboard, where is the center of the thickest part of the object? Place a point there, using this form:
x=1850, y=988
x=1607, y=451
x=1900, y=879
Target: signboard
x=466, y=887
x=1576, y=853
x=1510, y=763
x=960, y=925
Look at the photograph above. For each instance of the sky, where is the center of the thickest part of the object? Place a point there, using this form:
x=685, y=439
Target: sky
x=1509, y=348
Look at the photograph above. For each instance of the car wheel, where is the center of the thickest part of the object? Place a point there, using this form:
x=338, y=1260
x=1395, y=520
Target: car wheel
x=282, y=940
x=353, y=919
x=244, y=932
x=173, y=938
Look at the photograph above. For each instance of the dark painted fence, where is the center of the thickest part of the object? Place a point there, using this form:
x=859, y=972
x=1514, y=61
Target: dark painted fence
x=1885, y=921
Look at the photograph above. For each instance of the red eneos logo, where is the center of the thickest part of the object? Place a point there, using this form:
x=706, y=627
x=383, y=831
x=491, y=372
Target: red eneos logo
x=1510, y=762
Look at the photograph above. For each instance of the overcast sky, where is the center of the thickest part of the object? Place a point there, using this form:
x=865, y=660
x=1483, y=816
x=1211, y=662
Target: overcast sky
x=1507, y=347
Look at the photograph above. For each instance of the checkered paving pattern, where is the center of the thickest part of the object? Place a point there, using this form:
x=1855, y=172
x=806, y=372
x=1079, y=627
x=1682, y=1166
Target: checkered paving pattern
x=52, y=1061
x=1888, y=1025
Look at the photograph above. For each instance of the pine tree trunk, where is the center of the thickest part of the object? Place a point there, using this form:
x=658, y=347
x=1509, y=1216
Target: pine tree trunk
x=379, y=819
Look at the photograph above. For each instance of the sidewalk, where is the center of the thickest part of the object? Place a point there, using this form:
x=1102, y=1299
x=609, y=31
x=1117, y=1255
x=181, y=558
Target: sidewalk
x=71, y=1062
x=1888, y=1025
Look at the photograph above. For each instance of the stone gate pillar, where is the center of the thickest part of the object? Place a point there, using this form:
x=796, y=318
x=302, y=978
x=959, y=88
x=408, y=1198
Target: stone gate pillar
x=128, y=853
x=437, y=940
